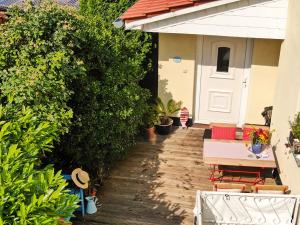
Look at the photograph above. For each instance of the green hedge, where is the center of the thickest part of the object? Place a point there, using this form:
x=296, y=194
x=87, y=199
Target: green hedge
x=78, y=72
x=109, y=105
x=37, y=61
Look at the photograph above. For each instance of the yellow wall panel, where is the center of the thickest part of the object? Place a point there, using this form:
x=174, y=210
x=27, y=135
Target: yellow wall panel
x=263, y=78
x=287, y=99
x=176, y=79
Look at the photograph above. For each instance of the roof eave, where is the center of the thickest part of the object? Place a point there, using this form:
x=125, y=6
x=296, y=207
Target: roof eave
x=139, y=22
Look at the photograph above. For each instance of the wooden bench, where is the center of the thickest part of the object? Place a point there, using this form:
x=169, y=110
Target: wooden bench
x=270, y=189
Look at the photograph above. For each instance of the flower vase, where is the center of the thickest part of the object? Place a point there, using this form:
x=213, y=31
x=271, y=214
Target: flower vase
x=257, y=148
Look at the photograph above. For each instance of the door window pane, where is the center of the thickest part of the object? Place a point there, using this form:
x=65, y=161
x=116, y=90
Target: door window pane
x=223, y=59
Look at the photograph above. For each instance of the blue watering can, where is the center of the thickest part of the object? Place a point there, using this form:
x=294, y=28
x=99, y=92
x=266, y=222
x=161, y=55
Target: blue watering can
x=91, y=205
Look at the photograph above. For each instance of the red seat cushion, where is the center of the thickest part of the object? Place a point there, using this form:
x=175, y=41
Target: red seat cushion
x=226, y=133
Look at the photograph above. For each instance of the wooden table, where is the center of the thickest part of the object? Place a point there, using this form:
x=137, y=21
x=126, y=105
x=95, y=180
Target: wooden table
x=235, y=153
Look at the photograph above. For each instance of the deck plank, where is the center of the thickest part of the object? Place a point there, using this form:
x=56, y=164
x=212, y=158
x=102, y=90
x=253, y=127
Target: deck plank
x=156, y=183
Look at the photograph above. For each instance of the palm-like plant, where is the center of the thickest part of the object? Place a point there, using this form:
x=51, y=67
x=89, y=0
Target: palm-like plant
x=165, y=111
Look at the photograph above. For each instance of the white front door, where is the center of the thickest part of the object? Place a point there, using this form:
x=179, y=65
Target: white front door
x=221, y=79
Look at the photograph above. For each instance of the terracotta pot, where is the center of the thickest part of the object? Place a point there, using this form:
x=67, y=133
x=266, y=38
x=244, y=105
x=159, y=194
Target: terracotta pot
x=150, y=133
x=93, y=192
x=62, y=221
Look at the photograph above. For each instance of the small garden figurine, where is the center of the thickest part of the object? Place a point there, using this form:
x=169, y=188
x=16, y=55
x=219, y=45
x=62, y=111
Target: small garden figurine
x=184, y=117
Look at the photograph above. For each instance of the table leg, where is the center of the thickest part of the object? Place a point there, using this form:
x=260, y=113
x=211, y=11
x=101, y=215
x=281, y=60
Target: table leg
x=212, y=177
x=258, y=179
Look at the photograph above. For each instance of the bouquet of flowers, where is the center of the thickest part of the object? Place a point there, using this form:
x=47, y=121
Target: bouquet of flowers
x=260, y=136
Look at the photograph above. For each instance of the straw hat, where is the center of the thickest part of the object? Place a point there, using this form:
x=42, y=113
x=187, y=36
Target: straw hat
x=80, y=178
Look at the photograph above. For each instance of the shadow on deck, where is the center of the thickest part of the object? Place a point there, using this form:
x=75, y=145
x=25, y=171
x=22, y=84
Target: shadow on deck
x=156, y=184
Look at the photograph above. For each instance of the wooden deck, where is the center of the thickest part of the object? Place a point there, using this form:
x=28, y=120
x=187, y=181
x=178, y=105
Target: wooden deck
x=156, y=184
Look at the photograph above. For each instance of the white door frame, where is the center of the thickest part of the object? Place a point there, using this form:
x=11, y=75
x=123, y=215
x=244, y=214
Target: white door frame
x=246, y=81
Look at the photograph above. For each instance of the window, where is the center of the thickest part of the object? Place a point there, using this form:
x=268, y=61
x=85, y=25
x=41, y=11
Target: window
x=223, y=59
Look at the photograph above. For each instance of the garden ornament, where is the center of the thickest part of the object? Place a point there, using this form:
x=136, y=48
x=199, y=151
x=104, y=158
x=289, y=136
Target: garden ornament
x=80, y=178
x=184, y=116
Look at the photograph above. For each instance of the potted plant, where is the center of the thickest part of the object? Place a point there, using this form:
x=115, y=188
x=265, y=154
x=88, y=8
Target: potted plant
x=259, y=139
x=150, y=118
x=295, y=133
x=63, y=221
x=164, y=123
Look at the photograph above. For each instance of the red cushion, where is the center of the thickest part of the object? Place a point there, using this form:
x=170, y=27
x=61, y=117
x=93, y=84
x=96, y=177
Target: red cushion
x=227, y=133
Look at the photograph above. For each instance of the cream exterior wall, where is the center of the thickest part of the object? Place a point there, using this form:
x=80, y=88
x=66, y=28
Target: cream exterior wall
x=263, y=78
x=176, y=80
x=287, y=99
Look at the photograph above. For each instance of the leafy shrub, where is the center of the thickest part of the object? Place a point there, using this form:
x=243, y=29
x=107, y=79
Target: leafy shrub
x=29, y=194
x=80, y=73
x=109, y=110
x=151, y=116
x=37, y=62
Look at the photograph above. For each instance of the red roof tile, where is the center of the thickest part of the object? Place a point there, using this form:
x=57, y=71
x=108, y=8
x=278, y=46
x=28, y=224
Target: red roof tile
x=148, y=8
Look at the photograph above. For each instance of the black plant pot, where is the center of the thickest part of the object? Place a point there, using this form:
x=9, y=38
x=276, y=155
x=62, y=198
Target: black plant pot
x=164, y=129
